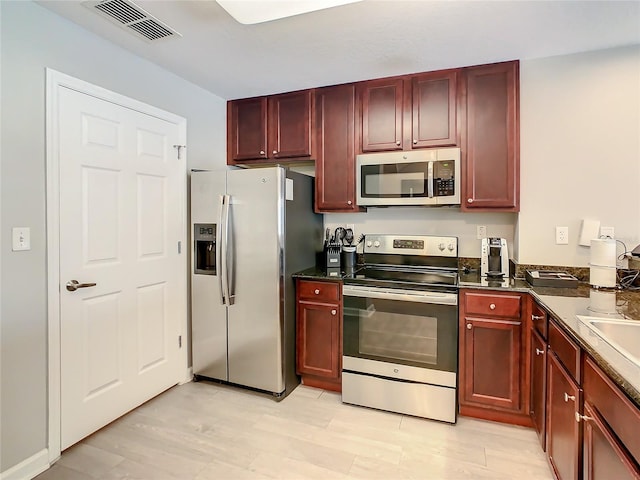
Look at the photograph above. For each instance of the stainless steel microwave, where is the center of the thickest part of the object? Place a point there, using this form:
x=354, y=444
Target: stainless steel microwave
x=415, y=178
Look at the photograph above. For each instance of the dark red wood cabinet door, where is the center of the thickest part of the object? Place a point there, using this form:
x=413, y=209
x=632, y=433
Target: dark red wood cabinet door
x=490, y=143
x=248, y=129
x=382, y=111
x=538, y=362
x=491, y=372
x=563, y=431
x=290, y=125
x=604, y=457
x=335, y=146
x=434, y=110
x=318, y=340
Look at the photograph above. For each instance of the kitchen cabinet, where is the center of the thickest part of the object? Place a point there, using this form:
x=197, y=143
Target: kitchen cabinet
x=490, y=137
x=611, y=445
x=403, y=113
x=335, y=140
x=492, y=357
x=564, y=402
x=273, y=128
x=319, y=333
x=538, y=362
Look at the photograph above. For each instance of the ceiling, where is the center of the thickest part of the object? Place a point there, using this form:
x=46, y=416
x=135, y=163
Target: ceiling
x=364, y=40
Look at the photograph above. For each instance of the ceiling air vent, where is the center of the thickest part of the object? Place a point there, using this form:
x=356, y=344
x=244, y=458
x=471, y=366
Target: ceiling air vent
x=132, y=18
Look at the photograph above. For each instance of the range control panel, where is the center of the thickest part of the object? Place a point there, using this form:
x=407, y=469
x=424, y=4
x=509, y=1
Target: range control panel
x=426, y=245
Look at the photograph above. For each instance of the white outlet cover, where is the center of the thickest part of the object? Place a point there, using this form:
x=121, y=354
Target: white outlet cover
x=20, y=239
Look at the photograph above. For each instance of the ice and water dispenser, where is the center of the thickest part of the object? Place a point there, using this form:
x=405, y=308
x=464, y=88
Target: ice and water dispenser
x=204, y=239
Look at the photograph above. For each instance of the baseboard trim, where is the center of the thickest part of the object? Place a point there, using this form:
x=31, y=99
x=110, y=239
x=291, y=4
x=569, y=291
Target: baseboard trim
x=29, y=468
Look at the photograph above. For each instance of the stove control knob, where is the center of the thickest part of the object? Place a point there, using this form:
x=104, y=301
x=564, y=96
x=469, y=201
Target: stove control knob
x=369, y=243
x=376, y=244
x=441, y=247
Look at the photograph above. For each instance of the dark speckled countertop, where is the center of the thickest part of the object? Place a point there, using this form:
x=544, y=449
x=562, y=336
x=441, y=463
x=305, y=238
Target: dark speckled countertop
x=564, y=305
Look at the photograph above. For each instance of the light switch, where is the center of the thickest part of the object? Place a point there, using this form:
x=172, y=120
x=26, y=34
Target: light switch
x=21, y=238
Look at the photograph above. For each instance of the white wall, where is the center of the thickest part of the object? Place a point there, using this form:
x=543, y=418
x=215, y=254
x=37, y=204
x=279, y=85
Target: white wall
x=33, y=38
x=579, y=151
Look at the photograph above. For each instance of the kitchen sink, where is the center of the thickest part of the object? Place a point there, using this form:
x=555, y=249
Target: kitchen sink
x=623, y=335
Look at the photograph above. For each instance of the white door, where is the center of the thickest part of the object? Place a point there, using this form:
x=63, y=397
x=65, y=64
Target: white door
x=121, y=217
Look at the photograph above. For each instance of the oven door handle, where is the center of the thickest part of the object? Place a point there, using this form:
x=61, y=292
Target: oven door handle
x=402, y=295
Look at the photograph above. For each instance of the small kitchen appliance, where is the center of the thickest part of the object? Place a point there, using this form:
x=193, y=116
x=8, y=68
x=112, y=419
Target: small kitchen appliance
x=400, y=327
x=494, y=258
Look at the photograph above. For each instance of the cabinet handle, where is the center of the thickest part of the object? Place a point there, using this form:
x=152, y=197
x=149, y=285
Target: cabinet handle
x=568, y=397
x=349, y=202
x=415, y=142
x=469, y=326
x=317, y=291
x=261, y=152
x=540, y=352
x=398, y=142
x=584, y=418
x=537, y=317
x=275, y=152
x=469, y=200
x=333, y=312
x=492, y=306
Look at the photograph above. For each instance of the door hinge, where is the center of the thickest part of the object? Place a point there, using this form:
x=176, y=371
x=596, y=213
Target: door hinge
x=179, y=341
x=179, y=247
x=179, y=147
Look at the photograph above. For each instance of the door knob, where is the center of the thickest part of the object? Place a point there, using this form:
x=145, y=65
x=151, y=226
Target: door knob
x=73, y=285
x=539, y=352
x=469, y=326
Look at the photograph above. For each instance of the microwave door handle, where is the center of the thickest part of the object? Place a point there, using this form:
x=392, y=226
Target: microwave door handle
x=430, y=179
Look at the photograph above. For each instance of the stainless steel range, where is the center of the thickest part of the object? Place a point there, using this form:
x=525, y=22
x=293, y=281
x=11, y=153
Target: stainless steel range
x=400, y=332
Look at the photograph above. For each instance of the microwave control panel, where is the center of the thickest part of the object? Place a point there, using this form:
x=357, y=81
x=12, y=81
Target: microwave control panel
x=444, y=178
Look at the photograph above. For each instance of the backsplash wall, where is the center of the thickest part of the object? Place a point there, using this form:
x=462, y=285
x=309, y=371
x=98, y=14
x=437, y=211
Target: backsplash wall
x=429, y=221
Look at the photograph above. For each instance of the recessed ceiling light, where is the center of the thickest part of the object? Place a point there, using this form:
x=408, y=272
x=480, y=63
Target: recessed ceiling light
x=249, y=12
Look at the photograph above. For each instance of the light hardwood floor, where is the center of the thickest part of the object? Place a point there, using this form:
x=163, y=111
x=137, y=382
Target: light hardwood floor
x=205, y=431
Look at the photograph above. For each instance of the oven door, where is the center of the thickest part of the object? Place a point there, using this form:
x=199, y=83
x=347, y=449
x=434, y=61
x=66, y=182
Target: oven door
x=403, y=327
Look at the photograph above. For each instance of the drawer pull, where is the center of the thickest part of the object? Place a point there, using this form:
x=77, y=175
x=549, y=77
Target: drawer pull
x=540, y=352
x=261, y=152
x=333, y=312
x=317, y=291
x=492, y=306
x=568, y=397
x=469, y=326
x=537, y=317
x=584, y=418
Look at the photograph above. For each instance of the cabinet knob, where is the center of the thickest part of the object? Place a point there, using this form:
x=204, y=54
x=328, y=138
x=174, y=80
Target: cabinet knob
x=469, y=200
x=333, y=312
x=261, y=152
x=415, y=142
x=539, y=352
x=537, y=317
x=349, y=202
x=469, y=326
x=568, y=397
x=492, y=306
x=585, y=418
x=398, y=142
x=317, y=291
x=275, y=152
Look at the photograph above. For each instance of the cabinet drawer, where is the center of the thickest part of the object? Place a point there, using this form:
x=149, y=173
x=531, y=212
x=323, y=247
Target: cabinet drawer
x=320, y=291
x=492, y=305
x=616, y=409
x=566, y=349
x=539, y=320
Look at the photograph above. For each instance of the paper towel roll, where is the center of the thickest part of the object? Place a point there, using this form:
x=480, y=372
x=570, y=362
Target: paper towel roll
x=603, y=252
x=604, y=277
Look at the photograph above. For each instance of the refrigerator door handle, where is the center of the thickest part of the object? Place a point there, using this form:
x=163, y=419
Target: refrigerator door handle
x=227, y=253
x=220, y=253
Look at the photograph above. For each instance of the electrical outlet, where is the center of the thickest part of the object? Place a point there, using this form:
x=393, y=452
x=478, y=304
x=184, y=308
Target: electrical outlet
x=481, y=232
x=607, y=232
x=21, y=239
x=562, y=235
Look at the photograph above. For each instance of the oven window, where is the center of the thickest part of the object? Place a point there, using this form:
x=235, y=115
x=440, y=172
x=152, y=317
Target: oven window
x=409, y=333
x=398, y=180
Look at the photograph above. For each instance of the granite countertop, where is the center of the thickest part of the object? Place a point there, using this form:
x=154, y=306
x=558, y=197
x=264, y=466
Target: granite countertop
x=564, y=304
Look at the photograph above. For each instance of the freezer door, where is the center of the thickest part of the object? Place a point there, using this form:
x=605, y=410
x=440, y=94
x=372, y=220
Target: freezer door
x=256, y=239
x=208, y=314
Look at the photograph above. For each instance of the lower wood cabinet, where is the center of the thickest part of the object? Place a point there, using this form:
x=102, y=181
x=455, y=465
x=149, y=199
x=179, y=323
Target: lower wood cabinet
x=538, y=353
x=492, y=357
x=319, y=333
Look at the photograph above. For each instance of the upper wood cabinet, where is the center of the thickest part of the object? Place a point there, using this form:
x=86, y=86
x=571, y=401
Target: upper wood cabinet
x=278, y=127
x=335, y=140
x=402, y=113
x=489, y=104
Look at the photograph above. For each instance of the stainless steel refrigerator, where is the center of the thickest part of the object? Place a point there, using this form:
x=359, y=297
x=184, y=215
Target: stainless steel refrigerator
x=251, y=230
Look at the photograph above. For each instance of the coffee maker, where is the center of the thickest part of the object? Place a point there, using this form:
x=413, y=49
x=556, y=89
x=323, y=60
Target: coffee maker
x=494, y=258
